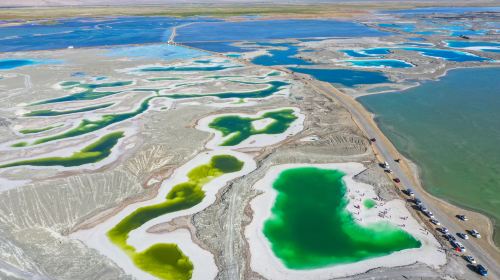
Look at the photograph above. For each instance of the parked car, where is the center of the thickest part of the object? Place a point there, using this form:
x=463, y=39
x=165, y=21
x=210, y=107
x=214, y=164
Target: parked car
x=463, y=235
x=429, y=214
x=436, y=222
x=443, y=230
x=462, y=217
x=458, y=245
x=481, y=270
x=450, y=237
x=475, y=233
x=410, y=192
x=396, y=180
x=417, y=201
x=470, y=259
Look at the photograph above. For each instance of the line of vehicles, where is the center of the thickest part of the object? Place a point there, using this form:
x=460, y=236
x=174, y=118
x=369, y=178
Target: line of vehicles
x=457, y=245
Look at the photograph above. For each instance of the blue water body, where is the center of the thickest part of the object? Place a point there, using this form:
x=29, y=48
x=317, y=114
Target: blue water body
x=483, y=46
x=377, y=51
x=272, y=29
x=450, y=128
x=157, y=51
x=372, y=52
x=409, y=28
x=221, y=47
x=7, y=64
x=390, y=63
x=344, y=77
x=280, y=56
x=89, y=32
x=444, y=10
x=450, y=55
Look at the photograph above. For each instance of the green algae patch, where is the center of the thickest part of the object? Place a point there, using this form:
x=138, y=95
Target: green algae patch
x=94, y=152
x=166, y=260
x=89, y=91
x=274, y=86
x=19, y=144
x=240, y=128
x=369, y=203
x=37, y=130
x=87, y=126
x=311, y=228
x=51, y=113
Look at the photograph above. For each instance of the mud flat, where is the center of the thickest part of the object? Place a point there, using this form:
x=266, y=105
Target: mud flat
x=252, y=130
x=100, y=237
x=414, y=244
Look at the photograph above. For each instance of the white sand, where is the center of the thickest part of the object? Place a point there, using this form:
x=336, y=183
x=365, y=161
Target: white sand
x=258, y=140
x=204, y=266
x=264, y=261
x=262, y=123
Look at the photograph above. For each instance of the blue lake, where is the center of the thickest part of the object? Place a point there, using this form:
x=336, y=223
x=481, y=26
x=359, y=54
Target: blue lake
x=450, y=55
x=7, y=64
x=344, y=77
x=372, y=52
x=157, y=51
x=483, y=46
x=391, y=63
x=272, y=29
x=221, y=47
x=89, y=32
x=280, y=57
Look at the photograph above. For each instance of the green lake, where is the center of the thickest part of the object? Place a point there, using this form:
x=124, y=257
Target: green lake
x=240, y=128
x=94, y=152
x=166, y=260
x=310, y=226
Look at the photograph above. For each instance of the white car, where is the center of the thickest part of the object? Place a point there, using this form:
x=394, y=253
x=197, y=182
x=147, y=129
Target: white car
x=475, y=233
x=470, y=259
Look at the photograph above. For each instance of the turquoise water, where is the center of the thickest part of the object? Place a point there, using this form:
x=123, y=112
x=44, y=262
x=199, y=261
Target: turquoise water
x=258, y=30
x=391, y=63
x=345, y=77
x=12, y=63
x=451, y=129
x=450, y=55
x=372, y=52
x=483, y=46
x=6, y=64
